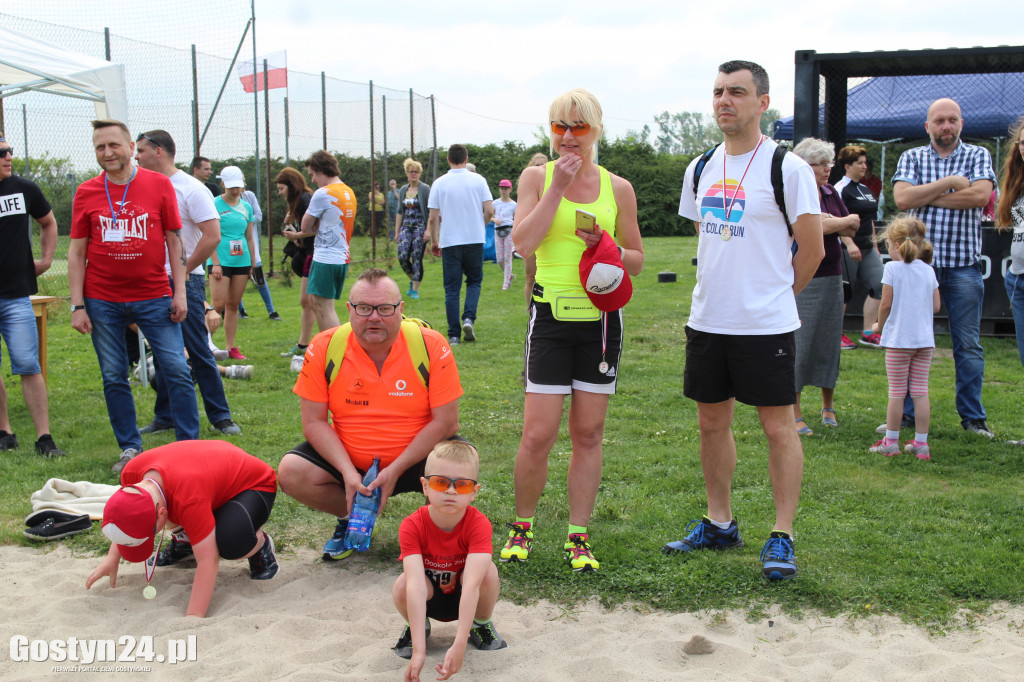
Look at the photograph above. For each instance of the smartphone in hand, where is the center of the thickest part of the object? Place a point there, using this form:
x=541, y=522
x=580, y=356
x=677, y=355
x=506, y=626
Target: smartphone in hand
x=585, y=222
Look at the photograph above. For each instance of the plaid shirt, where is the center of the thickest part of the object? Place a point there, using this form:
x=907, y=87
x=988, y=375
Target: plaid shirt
x=955, y=233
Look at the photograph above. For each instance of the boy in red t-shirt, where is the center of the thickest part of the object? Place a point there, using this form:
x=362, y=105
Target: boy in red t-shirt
x=448, y=573
x=212, y=494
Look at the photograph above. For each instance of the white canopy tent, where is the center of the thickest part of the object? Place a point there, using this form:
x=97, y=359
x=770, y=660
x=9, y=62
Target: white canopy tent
x=29, y=64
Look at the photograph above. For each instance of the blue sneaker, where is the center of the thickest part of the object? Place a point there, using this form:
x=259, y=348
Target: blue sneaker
x=778, y=557
x=334, y=549
x=702, y=534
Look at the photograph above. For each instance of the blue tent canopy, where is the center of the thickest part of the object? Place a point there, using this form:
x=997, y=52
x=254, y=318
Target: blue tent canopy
x=894, y=107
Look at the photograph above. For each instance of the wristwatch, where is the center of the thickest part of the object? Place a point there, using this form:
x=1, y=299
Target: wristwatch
x=77, y=307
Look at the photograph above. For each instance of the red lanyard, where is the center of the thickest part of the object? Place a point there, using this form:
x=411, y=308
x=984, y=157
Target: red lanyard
x=727, y=204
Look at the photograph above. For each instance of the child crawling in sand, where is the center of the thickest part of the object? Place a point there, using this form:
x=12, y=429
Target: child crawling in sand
x=448, y=573
x=213, y=496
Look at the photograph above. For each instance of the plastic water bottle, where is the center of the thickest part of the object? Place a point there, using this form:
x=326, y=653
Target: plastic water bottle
x=364, y=513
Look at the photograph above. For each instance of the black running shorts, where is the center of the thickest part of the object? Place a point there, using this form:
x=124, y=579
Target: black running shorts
x=756, y=370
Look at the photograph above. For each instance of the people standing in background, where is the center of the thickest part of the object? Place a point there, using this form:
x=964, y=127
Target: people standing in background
x=820, y=304
x=394, y=206
x=910, y=299
x=292, y=187
x=202, y=170
x=19, y=199
x=460, y=208
x=504, y=214
x=257, y=276
x=378, y=204
x=862, y=261
x=232, y=261
x=946, y=184
x=1010, y=213
x=411, y=226
x=116, y=276
x=200, y=232
x=330, y=217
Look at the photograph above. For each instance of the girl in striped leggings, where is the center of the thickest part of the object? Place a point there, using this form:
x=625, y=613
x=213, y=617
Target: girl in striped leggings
x=910, y=298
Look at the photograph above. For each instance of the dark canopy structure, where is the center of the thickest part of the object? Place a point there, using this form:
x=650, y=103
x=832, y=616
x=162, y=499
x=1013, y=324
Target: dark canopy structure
x=893, y=107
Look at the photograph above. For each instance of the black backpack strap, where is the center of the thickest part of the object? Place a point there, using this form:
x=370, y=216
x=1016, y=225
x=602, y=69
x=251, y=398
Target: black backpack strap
x=701, y=162
x=778, y=186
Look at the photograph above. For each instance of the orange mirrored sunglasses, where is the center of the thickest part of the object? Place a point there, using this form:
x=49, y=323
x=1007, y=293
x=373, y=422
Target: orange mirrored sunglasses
x=463, y=486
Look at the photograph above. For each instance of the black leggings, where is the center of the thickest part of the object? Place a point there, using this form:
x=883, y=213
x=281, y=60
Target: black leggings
x=238, y=521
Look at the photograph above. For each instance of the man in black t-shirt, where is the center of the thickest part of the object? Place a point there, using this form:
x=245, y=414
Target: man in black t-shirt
x=202, y=170
x=19, y=199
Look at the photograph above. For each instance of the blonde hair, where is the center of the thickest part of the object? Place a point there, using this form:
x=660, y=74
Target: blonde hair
x=908, y=234
x=458, y=451
x=588, y=110
x=538, y=159
x=412, y=164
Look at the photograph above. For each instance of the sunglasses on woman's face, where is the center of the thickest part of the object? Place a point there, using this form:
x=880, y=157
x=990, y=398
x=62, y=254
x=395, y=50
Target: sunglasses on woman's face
x=463, y=486
x=578, y=128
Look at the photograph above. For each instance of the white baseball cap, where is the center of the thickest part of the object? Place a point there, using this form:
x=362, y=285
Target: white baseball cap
x=232, y=176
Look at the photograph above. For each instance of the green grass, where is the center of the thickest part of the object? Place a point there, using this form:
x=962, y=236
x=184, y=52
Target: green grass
x=920, y=540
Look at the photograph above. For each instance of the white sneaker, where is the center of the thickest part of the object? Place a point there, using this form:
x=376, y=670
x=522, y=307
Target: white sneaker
x=240, y=372
x=297, y=361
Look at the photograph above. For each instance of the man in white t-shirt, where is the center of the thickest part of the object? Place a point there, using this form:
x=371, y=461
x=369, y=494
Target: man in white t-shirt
x=740, y=335
x=461, y=199
x=330, y=216
x=200, y=234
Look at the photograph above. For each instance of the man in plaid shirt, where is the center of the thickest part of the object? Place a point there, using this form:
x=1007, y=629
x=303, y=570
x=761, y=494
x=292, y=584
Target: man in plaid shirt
x=946, y=185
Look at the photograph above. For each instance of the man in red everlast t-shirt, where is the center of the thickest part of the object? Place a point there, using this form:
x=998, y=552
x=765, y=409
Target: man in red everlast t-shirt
x=124, y=221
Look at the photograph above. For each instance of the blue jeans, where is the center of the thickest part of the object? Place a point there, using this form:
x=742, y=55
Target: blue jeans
x=18, y=329
x=204, y=366
x=1015, y=292
x=962, y=290
x=153, y=316
x=260, y=281
x=456, y=260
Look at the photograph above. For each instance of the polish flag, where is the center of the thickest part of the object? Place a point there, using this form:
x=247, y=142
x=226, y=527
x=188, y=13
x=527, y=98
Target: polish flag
x=277, y=72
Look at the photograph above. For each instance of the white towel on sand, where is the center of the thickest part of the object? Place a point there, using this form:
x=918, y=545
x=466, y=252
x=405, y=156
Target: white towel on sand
x=79, y=497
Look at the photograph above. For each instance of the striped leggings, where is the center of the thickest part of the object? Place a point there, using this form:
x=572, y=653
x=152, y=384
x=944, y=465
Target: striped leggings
x=908, y=365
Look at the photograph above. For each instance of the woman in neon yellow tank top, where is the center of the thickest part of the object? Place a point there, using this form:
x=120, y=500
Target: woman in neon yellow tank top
x=571, y=348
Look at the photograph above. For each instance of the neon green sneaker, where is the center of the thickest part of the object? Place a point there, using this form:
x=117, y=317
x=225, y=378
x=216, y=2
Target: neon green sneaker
x=520, y=542
x=577, y=552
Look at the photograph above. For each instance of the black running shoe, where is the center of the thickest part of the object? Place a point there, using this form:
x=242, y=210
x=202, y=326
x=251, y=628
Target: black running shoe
x=263, y=564
x=403, y=649
x=485, y=637
x=8, y=441
x=177, y=552
x=45, y=447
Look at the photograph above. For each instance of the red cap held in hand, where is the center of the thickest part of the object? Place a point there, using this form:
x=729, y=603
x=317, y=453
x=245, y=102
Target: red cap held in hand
x=603, y=276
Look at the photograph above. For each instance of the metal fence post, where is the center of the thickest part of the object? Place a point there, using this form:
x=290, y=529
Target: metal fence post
x=195, y=104
x=287, y=156
x=412, y=145
x=323, y=104
x=256, y=97
x=24, y=132
x=433, y=126
x=373, y=195
x=269, y=212
x=388, y=219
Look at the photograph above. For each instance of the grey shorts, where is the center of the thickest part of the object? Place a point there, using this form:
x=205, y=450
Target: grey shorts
x=865, y=275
